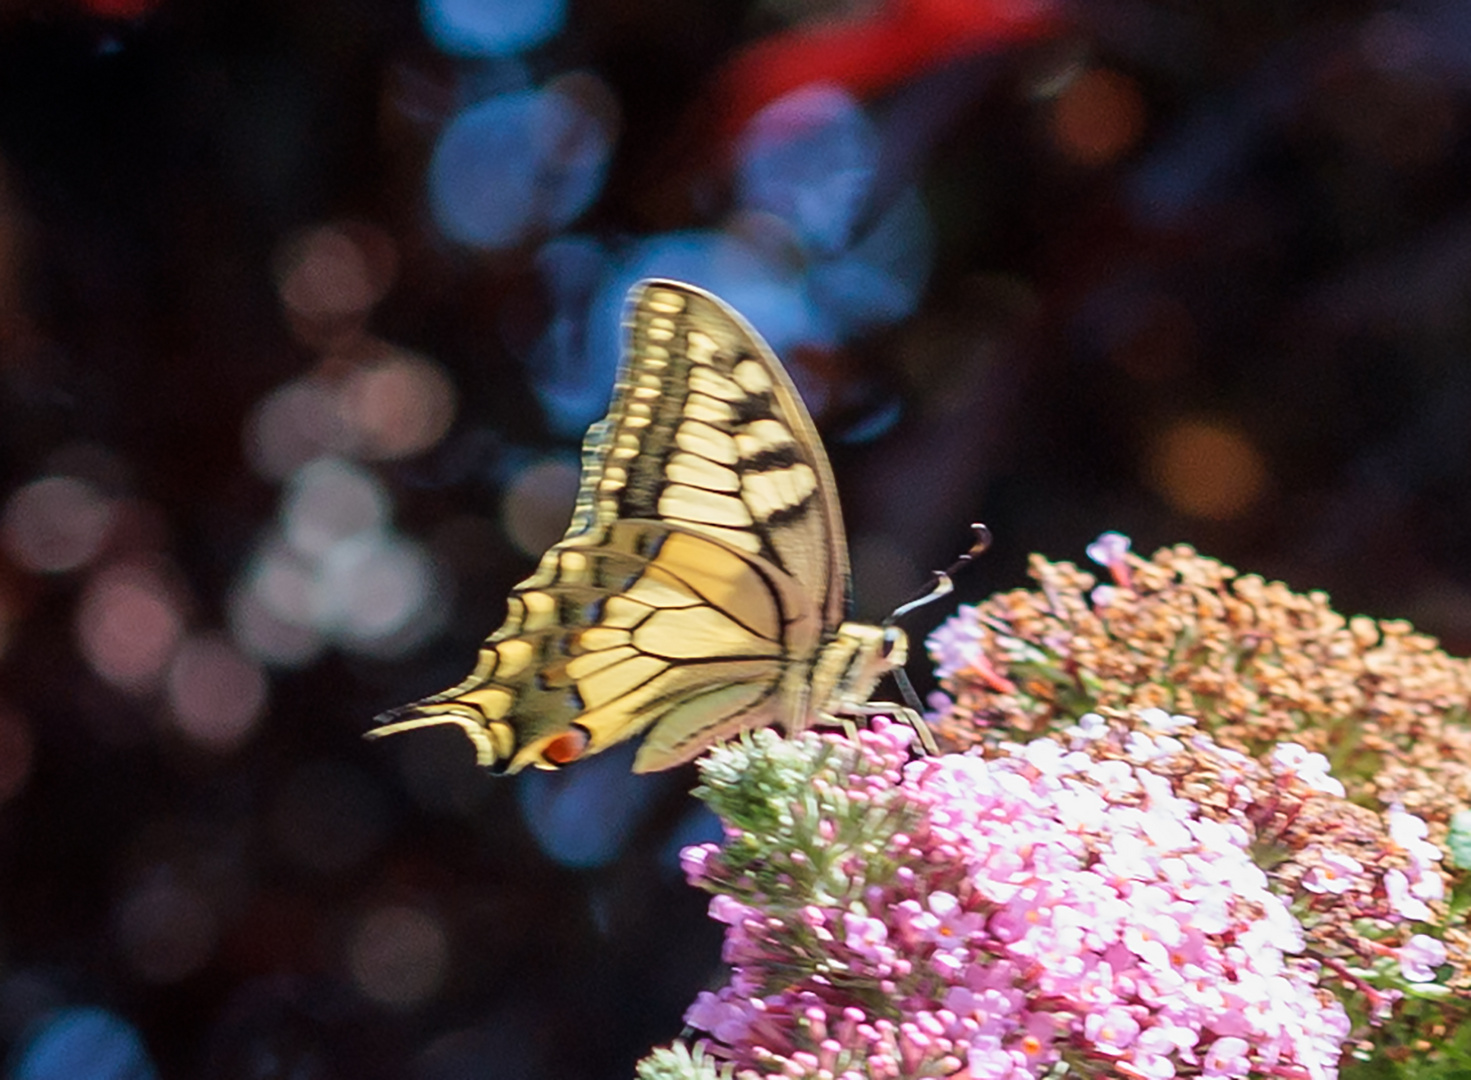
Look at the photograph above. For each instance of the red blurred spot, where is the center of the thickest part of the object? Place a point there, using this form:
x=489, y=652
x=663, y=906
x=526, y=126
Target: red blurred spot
x=871, y=54
x=1098, y=117
x=120, y=9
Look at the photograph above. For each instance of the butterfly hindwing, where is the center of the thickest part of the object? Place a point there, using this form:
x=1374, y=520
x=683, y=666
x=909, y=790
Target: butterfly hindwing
x=704, y=566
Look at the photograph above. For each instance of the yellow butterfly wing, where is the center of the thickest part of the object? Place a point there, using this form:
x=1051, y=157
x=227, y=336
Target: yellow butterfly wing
x=704, y=570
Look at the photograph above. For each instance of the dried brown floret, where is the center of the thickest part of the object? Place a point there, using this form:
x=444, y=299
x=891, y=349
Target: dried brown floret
x=1253, y=661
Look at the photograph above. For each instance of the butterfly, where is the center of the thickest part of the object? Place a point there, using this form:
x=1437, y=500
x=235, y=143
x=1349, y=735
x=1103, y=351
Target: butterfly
x=702, y=588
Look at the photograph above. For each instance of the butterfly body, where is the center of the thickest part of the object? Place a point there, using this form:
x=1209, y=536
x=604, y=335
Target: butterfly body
x=702, y=585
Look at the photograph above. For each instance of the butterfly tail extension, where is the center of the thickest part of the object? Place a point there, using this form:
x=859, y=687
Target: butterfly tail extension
x=494, y=741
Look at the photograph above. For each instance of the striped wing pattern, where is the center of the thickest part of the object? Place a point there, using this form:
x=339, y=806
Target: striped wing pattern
x=704, y=569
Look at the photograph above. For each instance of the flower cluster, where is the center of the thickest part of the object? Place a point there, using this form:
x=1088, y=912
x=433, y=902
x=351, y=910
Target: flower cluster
x=1255, y=663
x=1102, y=886
x=1259, y=666
x=1053, y=904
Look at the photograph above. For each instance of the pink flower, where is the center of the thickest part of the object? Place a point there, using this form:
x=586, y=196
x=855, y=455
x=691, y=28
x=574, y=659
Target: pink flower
x=728, y=1020
x=955, y=644
x=868, y=937
x=1227, y=1057
x=1404, y=904
x=729, y=910
x=1335, y=874
x=1111, y=551
x=1409, y=832
x=1420, y=956
x=692, y=860
x=1112, y=1031
x=987, y=1059
x=1292, y=760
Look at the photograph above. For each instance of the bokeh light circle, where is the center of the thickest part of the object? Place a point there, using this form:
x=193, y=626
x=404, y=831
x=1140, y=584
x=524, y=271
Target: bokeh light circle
x=55, y=524
x=1098, y=117
x=329, y=273
x=584, y=817
x=572, y=388
x=398, y=956
x=261, y=631
x=492, y=27
x=331, y=500
x=880, y=278
x=165, y=930
x=216, y=693
x=397, y=405
x=272, y=613
x=293, y=425
x=810, y=157
x=128, y=624
x=1207, y=469
x=375, y=594
x=516, y=164
x=538, y=504
x=82, y=1042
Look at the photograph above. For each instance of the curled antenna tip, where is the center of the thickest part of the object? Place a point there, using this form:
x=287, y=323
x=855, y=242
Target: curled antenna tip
x=982, y=541
x=978, y=546
x=942, y=585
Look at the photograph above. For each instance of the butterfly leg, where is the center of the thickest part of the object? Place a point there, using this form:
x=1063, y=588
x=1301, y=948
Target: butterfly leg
x=890, y=708
x=796, y=721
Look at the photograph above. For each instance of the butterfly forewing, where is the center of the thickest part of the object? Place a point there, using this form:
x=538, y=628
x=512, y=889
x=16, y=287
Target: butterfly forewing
x=704, y=567
x=716, y=439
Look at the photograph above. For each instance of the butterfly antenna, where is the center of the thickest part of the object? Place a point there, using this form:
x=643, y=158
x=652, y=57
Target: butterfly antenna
x=943, y=584
x=906, y=689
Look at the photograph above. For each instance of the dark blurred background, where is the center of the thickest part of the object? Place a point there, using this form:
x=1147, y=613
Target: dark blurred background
x=305, y=304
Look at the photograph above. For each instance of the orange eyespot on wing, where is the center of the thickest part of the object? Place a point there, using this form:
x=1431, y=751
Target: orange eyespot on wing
x=568, y=747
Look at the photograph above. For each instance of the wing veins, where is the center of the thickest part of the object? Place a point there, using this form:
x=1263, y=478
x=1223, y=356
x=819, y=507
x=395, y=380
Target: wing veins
x=781, y=614
x=678, y=663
